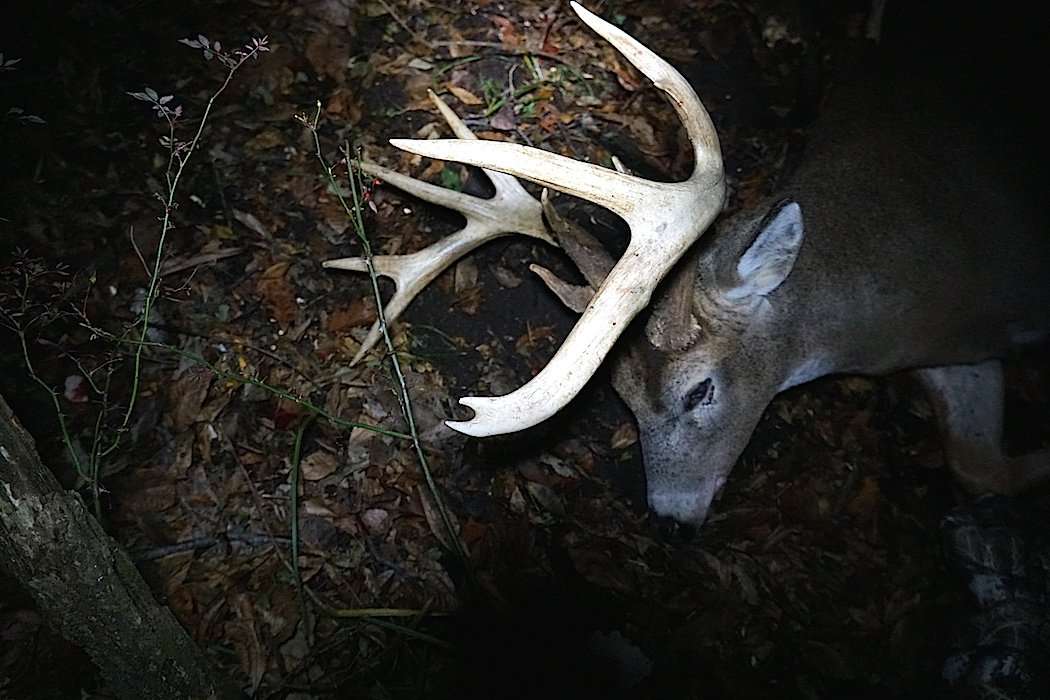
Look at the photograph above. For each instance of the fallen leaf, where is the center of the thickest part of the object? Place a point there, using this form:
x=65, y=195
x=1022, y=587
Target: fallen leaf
x=506, y=276
x=328, y=53
x=360, y=312
x=625, y=73
x=504, y=119
x=314, y=506
x=508, y=33
x=277, y=293
x=265, y=140
x=625, y=436
x=245, y=639
x=466, y=275
x=527, y=343
x=465, y=96
x=343, y=104
x=149, y=490
x=187, y=396
x=546, y=497
x=468, y=301
x=287, y=413
x=252, y=222
x=435, y=521
x=318, y=465
x=377, y=520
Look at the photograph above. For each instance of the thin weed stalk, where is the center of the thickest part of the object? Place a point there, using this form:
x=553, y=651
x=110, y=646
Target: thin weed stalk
x=353, y=210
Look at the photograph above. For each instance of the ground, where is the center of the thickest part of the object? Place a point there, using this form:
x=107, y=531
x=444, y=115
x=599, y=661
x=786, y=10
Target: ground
x=821, y=573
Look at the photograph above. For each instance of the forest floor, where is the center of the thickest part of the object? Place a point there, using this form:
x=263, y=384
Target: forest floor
x=820, y=574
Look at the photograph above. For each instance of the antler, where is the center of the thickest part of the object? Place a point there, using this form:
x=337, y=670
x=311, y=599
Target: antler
x=511, y=210
x=664, y=218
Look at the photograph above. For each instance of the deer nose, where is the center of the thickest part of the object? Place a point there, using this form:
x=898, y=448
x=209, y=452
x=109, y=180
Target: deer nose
x=672, y=531
x=689, y=508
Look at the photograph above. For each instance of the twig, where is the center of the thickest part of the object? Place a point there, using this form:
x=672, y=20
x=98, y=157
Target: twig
x=400, y=21
x=353, y=213
x=293, y=478
x=173, y=266
x=183, y=158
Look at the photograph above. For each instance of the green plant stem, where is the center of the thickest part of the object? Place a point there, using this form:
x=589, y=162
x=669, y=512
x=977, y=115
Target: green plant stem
x=166, y=226
x=293, y=476
x=353, y=213
x=67, y=439
x=241, y=379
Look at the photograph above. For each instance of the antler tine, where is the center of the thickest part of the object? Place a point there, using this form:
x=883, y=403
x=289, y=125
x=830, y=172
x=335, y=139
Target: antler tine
x=623, y=194
x=574, y=296
x=441, y=196
x=706, y=150
x=511, y=210
x=664, y=218
x=461, y=130
x=412, y=273
x=590, y=257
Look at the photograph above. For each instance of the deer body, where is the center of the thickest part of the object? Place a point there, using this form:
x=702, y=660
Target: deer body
x=911, y=246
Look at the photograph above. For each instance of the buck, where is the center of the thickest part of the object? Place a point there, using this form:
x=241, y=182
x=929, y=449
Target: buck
x=896, y=245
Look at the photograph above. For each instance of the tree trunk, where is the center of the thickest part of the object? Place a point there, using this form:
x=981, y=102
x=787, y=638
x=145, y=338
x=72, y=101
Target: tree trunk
x=87, y=587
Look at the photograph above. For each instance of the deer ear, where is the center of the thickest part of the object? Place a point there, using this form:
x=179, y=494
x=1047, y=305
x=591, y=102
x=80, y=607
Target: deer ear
x=769, y=260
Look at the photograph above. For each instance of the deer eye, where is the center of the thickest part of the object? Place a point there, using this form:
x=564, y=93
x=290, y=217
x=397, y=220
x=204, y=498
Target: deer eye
x=703, y=394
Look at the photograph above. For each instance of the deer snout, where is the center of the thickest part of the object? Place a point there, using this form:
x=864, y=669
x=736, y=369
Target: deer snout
x=687, y=506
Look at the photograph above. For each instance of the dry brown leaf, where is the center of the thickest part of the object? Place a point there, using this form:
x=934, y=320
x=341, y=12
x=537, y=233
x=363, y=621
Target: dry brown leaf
x=277, y=293
x=626, y=74
x=468, y=301
x=533, y=338
x=434, y=520
x=550, y=117
x=183, y=458
x=186, y=396
x=465, y=275
x=546, y=497
x=625, y=436
x=506, y=276
x=377, y=520
x=328, y=53
x=360, y=312
x=150, y=490
x=244, y=636
x=504, y=119
x=343, y=105
x=252, y=221
x=465, y=96
x=318, y=465
x=317, y=507
x=265, y=140
x=458, y=48
x=508, y=33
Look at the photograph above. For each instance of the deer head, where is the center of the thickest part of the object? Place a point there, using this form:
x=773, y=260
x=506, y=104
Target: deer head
x=699, y=375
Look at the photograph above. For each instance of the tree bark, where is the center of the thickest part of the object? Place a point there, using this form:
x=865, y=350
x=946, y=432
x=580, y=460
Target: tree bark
x=87, y=587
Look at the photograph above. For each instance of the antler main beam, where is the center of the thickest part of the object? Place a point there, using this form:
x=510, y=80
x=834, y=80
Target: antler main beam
x=511, y=210
x=664, y=218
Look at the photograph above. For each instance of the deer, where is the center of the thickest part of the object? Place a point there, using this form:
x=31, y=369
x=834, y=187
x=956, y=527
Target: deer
x=893, y=247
